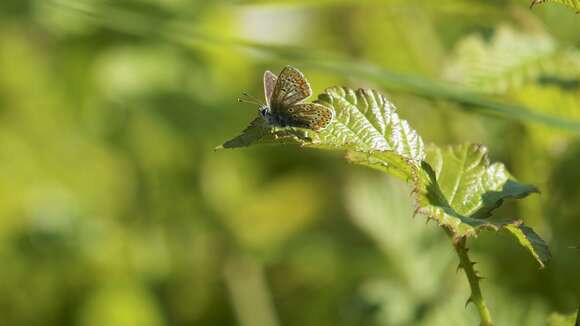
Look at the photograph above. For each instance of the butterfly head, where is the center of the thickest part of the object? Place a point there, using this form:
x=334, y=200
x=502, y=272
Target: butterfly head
x=266, y=113
x=263, y=108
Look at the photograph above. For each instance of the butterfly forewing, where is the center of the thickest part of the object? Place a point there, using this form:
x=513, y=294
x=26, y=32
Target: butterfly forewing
x=269, y=84
x=311, y=115
x=291, y=88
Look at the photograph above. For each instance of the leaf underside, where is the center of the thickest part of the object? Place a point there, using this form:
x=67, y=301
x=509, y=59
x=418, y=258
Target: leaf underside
x=456, y=186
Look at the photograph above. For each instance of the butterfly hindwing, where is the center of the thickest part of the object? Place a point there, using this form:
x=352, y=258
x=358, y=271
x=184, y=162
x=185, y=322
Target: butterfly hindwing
x=291, y=88
x=311, y=115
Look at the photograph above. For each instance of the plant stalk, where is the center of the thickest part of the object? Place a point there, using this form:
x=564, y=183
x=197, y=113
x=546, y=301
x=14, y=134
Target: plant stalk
x=467, y=265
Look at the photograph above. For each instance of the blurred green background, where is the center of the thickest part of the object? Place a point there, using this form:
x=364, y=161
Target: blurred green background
x=115, y=210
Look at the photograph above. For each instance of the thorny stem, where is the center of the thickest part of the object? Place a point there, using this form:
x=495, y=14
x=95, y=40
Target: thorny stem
x=467, y=265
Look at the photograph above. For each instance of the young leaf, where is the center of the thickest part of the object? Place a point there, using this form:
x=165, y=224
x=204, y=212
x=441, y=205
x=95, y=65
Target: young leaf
x=461, y=188
x=509, y=60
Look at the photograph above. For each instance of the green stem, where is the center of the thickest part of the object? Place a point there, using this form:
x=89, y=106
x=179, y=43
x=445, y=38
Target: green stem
x=467, y=265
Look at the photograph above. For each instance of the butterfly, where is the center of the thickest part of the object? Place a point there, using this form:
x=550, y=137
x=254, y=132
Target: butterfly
x=284, y=108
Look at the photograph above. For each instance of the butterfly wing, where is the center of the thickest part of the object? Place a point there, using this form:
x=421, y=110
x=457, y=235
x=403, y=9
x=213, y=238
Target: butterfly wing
x=291, y=88
x=308, y=115
x=269, y=84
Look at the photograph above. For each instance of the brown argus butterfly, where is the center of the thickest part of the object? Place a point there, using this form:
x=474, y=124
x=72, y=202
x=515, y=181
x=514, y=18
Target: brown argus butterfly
x=283, y=107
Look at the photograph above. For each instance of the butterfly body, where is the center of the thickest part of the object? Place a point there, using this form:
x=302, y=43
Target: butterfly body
x=273, y=119
x=284, y=107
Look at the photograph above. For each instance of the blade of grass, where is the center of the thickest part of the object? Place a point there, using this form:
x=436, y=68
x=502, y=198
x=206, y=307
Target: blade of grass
x=186, y=35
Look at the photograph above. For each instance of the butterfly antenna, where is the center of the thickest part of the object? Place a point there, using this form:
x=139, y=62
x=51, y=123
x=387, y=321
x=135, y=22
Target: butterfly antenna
x=249, y=99
x=243, y=100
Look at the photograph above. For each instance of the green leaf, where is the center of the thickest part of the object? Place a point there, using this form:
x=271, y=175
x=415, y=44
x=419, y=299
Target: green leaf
x=531, y=241
x=386, y=161
x=258, y=132
x=509, y=60
x=364, y=121
x=470, y=183
x=570, y=3
x=461, y=188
